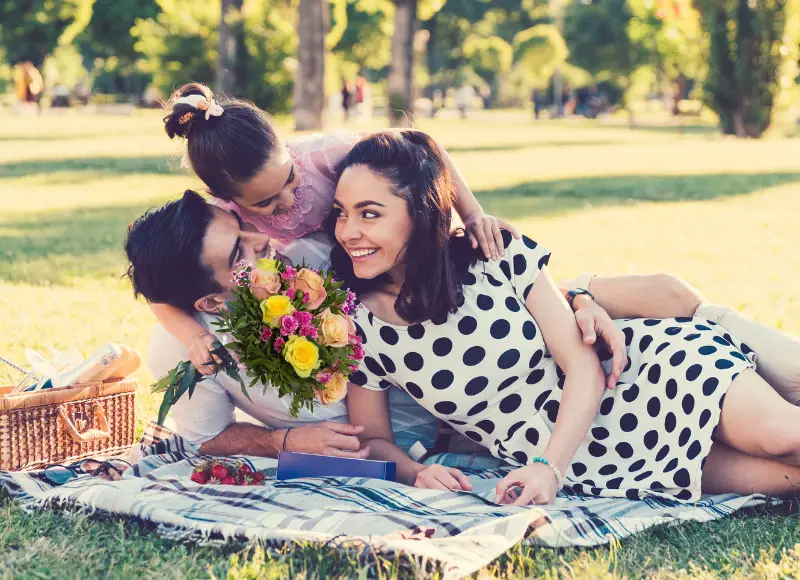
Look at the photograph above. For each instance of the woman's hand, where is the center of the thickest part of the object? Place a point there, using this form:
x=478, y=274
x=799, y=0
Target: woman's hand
x=200, y=354
x=538, y=482
x=484, y=230
x=441, y=477
x=595, y=322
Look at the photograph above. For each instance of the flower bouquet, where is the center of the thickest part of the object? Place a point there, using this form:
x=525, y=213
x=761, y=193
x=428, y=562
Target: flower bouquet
x=291, y=329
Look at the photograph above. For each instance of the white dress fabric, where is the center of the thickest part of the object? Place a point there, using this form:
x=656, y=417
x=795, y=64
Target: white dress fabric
x=485, y=370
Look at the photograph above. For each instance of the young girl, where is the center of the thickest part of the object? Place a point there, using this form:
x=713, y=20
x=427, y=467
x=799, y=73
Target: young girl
x=282, y=189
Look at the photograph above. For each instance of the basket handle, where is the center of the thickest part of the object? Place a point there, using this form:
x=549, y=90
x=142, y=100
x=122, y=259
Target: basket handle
x=90, y=434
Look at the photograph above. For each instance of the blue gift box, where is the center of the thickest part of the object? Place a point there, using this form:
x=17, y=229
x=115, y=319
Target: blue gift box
x=292, y=465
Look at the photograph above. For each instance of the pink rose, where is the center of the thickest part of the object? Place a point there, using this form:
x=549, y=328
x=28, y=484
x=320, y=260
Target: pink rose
x=263, y=284
x=312, y=285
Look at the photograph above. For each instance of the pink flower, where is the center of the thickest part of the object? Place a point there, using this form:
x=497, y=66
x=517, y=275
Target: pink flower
x=323, y=377
x=358, y=352
x=289, y=325
x=278, y=344
x=290, y=293
x=303, y=318
x=289, y=273
x=309, y=331
x=306, y=298
x=266, y=333
x=313, y=287
x=353, y=368
x=356, y=339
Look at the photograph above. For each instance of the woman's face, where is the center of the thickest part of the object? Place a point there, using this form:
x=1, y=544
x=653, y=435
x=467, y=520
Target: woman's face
x=271, y=190
x=372, y=223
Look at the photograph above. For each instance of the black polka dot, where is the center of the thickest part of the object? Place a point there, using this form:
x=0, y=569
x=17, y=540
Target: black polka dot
x=500, y=329
x=722, y=341
x=738, y=355
x=389, y=335
x=456, y=422
x=485, y=302
x=535, y=377
x=683, y=319
x=506, y=383
x=374, y=366
x=643, y=475
x=628, y=332
x=746, y=349
x=630, y=394
x=445, y=407
x=358, y=378
x=476, y=385
x=662, y=453
x=702, y=327
x=492, y=280
x=535, y=359
x=606, y=406
x=507, y=238
x=694, y=450
x=479, y=408
x=467, y=325
x=371, y=318
x=442, y=346
x=416, y=331
x=673, y=463
x=683, y=438
x=474, y=436
x=527, y=291
x=651, y=322
x=520, y=265
x=723, y=364
x=705, y=416
x=684, y=495
x=653, y=407
x=707, y=349
x=532, y=436
x=384, y=384
x=693, y=372
x=413, y=360
x=541, y=399
x=661, y=347
x=670, y=422
x=645, y=342
x=651, y=439
x=512, y=304
x=681, y=478
x=632, y=494
x=551, y=408
x=677, y=358
x=486, y=425
x=600, y=433
x=440, y=319
x=597, y=449
x=687, y=403
x=614, y=483
x=360, y=332
x=511, y=403
x=474, y=356
x=513, y=429
x=624, y=450
x=654, y=374
x=710, y=385
x=529, y=330
x=468, y=279
x=628, y=422
x=578, y=468
x=529, y=243
x=521, y=457
x=508, y=359
x=413, y=390
x=442, y=379
x=636, y=465
x=672, y=388
x=505, y=268
x=608, y=470
x=672, y=330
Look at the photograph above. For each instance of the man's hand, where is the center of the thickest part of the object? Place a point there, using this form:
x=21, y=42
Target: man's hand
x=440, y=477
x=595, y=322
x=328, y=438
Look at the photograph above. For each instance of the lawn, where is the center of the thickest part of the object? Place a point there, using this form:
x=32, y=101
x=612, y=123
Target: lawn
x=717, y=212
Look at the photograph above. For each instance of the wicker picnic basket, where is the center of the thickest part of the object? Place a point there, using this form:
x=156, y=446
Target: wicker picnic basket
x=66, y=424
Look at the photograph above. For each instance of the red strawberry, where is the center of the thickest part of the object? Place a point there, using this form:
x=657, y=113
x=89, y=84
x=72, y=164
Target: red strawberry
x=219, y=471
x=258, y=477
x=245, y=469
x=229, y=481
x=199, y=477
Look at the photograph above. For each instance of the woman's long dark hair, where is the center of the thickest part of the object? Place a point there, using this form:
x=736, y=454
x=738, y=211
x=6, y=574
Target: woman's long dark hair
x=224, y=151
x=436, y=258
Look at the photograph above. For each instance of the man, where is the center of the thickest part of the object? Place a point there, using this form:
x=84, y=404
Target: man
x=183, y=253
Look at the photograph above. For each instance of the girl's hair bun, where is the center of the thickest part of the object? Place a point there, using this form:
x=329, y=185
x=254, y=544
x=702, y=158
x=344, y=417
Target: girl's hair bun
x=179, y=119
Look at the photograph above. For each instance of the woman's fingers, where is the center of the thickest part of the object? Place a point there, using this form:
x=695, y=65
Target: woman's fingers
x=462, y=479
x=497, y=235
x=360, y=454
x=528, y=495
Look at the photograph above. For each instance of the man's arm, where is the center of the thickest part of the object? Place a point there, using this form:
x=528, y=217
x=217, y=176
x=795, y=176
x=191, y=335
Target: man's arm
x=638, y=295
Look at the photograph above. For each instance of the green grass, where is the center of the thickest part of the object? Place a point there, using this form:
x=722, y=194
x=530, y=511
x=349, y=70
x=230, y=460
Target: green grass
x=720, y=213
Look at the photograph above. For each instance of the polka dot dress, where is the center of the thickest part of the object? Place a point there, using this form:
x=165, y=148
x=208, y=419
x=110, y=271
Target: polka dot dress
x=485, y=370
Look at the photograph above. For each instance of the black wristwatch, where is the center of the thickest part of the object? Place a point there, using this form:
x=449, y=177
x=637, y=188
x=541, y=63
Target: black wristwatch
x=577, y=292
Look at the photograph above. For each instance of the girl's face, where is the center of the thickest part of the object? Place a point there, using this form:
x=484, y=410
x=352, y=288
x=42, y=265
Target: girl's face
x=271, y=190
x=372, y=223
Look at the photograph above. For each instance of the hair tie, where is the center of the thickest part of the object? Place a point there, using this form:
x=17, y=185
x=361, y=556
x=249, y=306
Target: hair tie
x=200, y=103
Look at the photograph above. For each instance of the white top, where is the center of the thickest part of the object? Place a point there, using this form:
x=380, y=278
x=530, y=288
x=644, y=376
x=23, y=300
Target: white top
x=215, y=401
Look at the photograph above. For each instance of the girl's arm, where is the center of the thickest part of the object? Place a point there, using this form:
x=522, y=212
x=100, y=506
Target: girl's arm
x=370, y=408
x=196, y=337
x=583, y=387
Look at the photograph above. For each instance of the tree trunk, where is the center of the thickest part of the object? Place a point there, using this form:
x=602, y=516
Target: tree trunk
x=225, y=80
x=401, y=72
x=309, y=91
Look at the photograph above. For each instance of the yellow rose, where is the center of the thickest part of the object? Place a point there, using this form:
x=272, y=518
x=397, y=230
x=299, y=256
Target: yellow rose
x=313, y=285
x=274, y=307
x=264, y=284
x=336, y=329
x=267, y=266
x=335, y=389
x=302, y=354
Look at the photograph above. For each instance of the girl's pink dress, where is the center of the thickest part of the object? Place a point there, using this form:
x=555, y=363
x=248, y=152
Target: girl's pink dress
x=315, y=158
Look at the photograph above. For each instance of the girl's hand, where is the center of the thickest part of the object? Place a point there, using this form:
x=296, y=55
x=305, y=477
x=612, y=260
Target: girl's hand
x=200, y=353
x=484, y=230
x=444, y=478
x=538, y=482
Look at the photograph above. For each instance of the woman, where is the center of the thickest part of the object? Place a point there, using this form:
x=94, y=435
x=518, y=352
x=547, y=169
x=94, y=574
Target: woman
x=494, y=350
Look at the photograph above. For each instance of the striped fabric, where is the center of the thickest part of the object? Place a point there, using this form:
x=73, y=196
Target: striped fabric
x=462, y=531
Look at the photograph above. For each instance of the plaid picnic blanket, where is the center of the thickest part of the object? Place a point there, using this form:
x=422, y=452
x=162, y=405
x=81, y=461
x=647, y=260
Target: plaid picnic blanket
x=462, y=532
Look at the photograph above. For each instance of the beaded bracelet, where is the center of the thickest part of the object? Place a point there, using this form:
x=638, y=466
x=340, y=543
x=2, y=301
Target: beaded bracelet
x=556, y=471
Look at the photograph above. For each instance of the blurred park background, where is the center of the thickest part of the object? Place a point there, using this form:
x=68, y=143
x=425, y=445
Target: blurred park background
x=626, y=135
